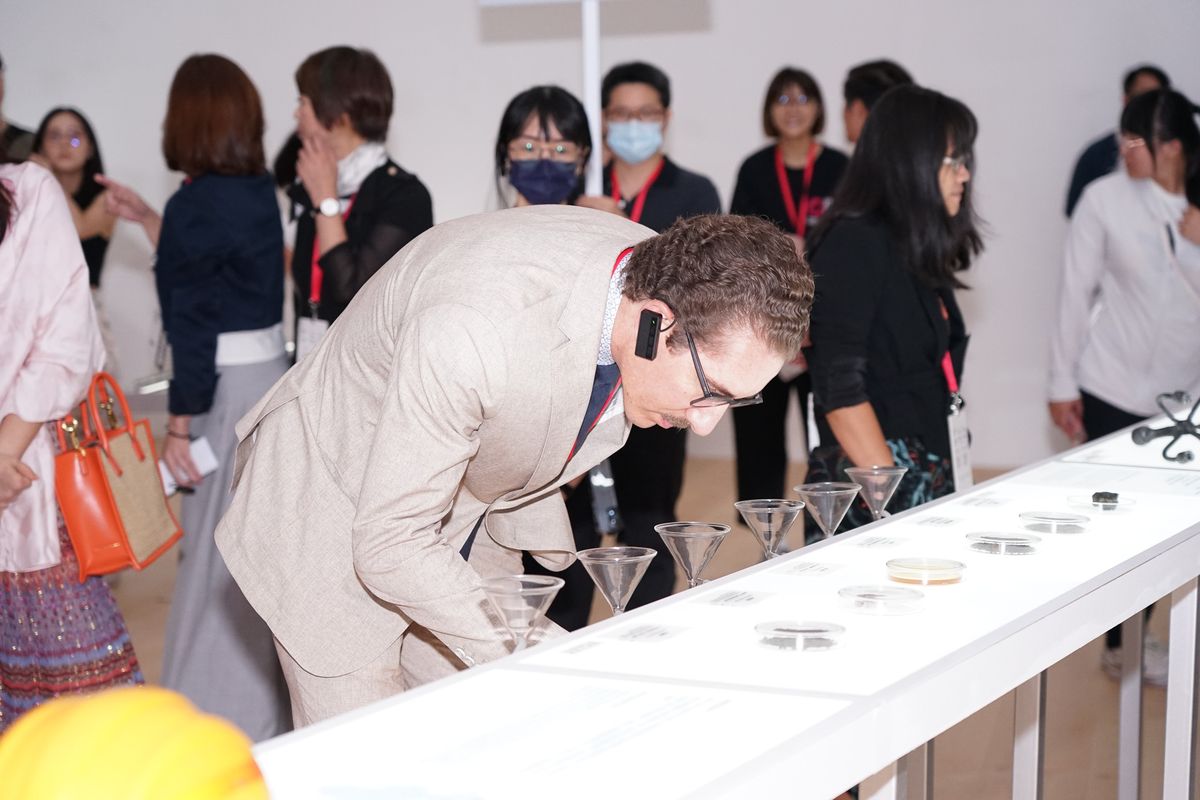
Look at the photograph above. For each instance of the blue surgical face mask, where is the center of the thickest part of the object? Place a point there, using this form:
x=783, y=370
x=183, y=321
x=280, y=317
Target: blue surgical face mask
x=543, y=181
x=635, y=141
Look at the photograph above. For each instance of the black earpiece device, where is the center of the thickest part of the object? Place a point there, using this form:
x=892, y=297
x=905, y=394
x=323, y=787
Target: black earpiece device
x=649, y=326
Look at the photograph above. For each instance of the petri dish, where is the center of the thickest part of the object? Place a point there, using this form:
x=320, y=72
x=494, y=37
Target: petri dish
x=1101, y=501
x=882, y=600
x=1003, y=544
x=787, y=635
x=925, y=571
x=1054, y=522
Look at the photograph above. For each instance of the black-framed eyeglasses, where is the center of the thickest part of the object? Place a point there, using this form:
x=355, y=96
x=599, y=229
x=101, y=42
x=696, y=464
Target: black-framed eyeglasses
x=711, y=399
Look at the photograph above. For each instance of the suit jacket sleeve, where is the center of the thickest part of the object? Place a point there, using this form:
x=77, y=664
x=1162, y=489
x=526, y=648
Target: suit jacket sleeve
x=447, y=378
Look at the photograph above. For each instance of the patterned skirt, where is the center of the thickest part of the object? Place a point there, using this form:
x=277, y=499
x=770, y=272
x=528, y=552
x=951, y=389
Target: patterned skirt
x=59, y=636
x=929, y=477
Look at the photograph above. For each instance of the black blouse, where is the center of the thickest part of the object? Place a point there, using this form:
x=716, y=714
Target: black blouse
x=94, y=247
x=391, y=208
x=879, y=335
x=757, y=192
x=219, y=268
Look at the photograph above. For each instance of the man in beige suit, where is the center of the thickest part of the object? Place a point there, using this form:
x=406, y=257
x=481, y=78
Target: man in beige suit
x=421, y=446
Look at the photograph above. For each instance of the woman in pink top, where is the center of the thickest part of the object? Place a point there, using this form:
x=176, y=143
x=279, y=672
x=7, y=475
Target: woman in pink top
x=57, y=636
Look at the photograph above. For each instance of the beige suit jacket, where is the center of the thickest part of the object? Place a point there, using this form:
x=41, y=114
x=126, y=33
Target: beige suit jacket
x=453, y=387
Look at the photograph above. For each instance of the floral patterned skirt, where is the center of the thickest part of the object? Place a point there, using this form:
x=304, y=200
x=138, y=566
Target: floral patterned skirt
x=59, y=636
x=929, y=477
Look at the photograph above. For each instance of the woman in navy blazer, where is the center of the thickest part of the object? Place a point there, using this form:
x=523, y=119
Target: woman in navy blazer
x=219, y=273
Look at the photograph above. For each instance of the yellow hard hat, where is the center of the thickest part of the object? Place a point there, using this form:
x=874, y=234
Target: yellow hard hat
x=134, y=743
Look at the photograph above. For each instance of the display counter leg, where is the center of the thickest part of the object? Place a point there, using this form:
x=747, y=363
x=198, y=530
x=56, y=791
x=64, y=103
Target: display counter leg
x=1178, y=765
x=914, y=774
x=1029, y=738
x=1129, y=738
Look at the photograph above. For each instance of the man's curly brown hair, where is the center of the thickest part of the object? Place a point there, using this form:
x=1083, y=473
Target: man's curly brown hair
x=719, y=272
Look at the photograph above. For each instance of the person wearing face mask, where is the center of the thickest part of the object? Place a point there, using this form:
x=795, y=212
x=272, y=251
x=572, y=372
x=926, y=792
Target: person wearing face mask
x=354, y=206
x=790, y=182
x=1130, y=296
x=643, y=184
x=888, y=339
x=541, y=148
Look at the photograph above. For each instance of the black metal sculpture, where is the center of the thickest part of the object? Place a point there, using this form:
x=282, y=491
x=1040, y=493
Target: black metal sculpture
x=1180, y=427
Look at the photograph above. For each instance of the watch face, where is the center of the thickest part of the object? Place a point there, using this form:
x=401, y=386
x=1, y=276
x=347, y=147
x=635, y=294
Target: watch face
x=330, y=207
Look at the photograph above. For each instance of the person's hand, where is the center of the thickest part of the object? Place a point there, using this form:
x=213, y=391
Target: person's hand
x=1068, y=417
x=123, y=202
x=15, y=477
x=1189, y=226
x=600, y=203
x=177, y=454
x=316, y=167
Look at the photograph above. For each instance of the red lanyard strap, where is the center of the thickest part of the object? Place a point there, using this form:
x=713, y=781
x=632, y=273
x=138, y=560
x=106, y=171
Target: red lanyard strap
x=640, y=202
x=947, y=362
x=317, y=275
x=797, y=213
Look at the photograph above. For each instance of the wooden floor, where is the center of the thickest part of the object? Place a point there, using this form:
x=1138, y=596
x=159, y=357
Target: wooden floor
x=972, y=759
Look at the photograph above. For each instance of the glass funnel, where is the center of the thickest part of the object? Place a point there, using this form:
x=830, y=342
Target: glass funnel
x=878, y=485
x=770, y=520
x=522, y=601
x=828, y=502
x=692, y=545
x=616, y=571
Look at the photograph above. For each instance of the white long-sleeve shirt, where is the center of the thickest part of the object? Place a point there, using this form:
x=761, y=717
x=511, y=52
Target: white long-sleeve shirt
x=1128, y=325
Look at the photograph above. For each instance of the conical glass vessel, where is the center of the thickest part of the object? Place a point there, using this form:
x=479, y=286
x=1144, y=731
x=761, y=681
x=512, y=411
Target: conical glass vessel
x=692, y=545
x=770, y=520
x=828, y=502
x=616, y=571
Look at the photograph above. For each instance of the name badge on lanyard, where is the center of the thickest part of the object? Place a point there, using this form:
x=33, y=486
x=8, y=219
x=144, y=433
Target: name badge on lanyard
x=310, y=329
x=960, y=435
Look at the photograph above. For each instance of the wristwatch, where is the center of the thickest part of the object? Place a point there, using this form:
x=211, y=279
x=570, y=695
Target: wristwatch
x=330, y=207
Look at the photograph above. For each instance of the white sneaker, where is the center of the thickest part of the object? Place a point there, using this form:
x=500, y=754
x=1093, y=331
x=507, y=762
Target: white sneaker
x=1154, y=662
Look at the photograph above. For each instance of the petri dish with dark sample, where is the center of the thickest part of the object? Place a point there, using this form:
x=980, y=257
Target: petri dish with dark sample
x=1003, y=544
x=884, y=601
x=1054, y=522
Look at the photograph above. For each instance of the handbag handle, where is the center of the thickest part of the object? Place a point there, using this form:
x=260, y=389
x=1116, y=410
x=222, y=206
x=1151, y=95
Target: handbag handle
x=103, y=382
x=74, y=431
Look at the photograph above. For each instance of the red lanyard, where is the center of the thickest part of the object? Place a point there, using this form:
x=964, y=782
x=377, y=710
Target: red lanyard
x=947, y=362
x=797, y=214
x=317, y=275
x=617, y=386
x=640, y=202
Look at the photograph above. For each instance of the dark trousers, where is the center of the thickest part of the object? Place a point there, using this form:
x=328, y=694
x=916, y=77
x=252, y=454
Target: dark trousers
x=647, y=476
x=760, y=438
x=1099, y=420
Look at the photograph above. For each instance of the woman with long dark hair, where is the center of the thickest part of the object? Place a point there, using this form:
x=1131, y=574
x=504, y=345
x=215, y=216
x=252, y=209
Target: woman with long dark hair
x=790, y=182
x=57, y=635
x=542, y=148
x=886, y=257
x=1126, y=324
x=219, y=272
x=66, y=145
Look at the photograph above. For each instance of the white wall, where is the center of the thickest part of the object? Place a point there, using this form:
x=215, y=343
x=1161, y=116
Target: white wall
x=1042, y=77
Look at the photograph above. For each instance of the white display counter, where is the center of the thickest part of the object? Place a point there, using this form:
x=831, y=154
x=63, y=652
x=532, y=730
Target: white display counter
x=685, y=698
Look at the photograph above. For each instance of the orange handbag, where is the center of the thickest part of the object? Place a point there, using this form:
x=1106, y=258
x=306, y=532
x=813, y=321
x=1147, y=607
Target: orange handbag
x=108, y=486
